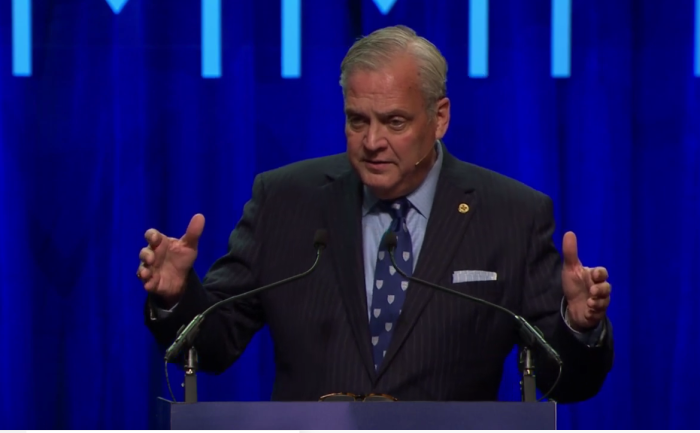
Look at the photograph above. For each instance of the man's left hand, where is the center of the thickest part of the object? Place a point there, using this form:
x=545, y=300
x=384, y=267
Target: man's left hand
x=586, y=289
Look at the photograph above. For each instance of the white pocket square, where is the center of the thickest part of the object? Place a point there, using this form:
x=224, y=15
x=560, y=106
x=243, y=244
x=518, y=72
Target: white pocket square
x=467, y=276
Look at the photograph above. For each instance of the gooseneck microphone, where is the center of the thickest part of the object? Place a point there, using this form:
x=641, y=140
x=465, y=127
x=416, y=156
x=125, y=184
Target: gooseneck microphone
x=187, y=335
x=528, y=333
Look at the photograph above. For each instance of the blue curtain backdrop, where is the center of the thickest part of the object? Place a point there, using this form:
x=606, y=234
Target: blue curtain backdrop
x=108, y=127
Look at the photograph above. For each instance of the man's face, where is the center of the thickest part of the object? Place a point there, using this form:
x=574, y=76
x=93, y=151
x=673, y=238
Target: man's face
x=388, y=128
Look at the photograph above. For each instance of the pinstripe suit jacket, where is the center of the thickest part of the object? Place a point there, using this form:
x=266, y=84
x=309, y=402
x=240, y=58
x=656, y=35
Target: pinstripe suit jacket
x=443, y=348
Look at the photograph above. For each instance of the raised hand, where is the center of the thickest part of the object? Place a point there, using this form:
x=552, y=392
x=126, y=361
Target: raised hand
x=586, y=289
x=166, y=261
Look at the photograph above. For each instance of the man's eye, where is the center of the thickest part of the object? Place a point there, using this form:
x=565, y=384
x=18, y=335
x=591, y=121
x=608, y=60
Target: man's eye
x=397, y=123
x=356, y=121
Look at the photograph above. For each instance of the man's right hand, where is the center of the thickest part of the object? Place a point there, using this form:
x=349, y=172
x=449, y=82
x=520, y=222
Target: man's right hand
x=166, y=261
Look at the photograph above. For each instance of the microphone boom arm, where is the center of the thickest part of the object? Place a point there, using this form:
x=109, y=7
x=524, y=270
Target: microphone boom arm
x=529, y=335
x=187, y=334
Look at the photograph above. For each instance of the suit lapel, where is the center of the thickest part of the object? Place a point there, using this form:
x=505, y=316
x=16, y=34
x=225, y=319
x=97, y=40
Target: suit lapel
x=344, y=222
x=447, y=224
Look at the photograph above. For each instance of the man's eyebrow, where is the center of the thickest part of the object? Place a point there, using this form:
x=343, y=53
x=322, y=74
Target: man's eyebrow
x=382, y=115
x=395, y=112
x=352, y=112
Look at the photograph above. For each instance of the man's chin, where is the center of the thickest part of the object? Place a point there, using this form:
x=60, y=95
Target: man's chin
x=375, y=181
x=382, y=190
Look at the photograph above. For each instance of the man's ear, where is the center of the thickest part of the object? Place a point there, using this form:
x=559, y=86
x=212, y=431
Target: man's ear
x=442, y=117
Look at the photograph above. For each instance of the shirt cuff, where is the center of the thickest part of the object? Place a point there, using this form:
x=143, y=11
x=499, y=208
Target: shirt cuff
x=592, y=338
x=157, y=313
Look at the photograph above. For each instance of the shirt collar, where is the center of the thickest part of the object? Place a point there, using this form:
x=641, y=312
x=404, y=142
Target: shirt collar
x=421, y=199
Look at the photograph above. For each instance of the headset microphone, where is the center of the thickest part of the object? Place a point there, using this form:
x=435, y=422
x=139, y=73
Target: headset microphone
x=425, y=156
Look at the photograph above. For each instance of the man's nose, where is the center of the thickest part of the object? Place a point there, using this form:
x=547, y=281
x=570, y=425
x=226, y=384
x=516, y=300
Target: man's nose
x=375, y=137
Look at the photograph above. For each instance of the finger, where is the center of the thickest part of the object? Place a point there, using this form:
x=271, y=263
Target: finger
x=147, y=256
x=153, y=237
x=599, y=274
x=140, y=272
x=594, y=316
x=598, y=305
x=570, y=249
x=144, y=273
x=600, y=291
x=194, y=231
x=150, y=285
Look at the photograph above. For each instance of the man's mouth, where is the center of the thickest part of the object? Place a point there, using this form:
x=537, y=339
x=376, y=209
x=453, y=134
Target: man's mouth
x=376, y=163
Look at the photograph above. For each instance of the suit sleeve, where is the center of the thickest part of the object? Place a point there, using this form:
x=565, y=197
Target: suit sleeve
x=225, y=332
x=585, y=367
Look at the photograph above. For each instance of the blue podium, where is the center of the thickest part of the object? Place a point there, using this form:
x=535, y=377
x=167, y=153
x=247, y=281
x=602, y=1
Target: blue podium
x=356, y=415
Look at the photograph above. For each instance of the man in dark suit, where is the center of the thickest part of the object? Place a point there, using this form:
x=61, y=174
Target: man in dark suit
x=355, y=325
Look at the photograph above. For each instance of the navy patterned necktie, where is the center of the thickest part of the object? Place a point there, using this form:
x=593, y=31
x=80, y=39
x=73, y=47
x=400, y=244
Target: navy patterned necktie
x=390, y=287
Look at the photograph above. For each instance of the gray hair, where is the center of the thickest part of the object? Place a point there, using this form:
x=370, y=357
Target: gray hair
x=375, y=50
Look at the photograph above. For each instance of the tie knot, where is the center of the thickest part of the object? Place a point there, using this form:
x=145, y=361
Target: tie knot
x=399, y=208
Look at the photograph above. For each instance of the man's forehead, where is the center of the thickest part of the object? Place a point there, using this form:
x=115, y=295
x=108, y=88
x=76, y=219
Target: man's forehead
x=390, y=73
x=380, y=88
x=382, y=100
x=384, y=111
x=371, y=82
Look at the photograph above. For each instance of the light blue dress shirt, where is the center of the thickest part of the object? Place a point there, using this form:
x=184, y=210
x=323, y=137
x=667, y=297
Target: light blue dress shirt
x=375, y=223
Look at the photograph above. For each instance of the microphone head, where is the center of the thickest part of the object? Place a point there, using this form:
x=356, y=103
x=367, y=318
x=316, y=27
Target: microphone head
x=389, y=241
x=320, y=238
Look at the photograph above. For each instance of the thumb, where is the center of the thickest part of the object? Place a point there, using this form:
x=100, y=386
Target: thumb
x=194, y=231
x=570, y=249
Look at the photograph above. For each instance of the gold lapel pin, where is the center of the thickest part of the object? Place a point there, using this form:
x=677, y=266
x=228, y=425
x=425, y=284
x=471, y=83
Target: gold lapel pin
x=463, y=208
